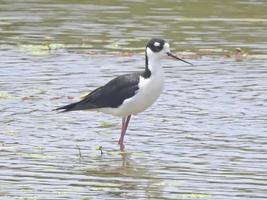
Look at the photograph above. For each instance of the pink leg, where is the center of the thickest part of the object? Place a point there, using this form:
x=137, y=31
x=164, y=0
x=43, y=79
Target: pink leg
x=123, y=131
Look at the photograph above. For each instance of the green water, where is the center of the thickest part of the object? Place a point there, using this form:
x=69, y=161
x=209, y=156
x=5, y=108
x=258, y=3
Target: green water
x=126, y=25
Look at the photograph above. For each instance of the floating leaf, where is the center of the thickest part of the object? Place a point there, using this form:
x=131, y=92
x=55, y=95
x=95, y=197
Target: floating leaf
x=36, y=50
x=100, y=148
x=4, y=95
x=42, y=49
x=54, y=46
x=107, y=125
x=35, y=155
x=39, y=147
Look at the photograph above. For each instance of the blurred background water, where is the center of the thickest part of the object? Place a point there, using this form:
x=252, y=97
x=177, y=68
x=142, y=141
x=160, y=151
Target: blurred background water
x=205, y=138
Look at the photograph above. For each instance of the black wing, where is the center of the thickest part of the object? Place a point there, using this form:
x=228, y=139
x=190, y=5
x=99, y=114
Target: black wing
x=110, y=95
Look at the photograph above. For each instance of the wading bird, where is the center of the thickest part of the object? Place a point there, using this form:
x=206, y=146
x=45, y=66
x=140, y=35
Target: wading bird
x=132, y=93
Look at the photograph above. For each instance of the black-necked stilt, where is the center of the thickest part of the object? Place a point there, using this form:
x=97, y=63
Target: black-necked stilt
x=131, y=93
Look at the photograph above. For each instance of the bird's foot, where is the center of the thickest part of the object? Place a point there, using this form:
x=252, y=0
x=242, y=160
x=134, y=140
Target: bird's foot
x=120, y=142
x=121, y=146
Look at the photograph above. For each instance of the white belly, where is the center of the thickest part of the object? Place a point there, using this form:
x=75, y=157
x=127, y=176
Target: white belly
x=149, y=91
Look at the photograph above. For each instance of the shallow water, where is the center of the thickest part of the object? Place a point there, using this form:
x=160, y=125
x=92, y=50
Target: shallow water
x=205, y=138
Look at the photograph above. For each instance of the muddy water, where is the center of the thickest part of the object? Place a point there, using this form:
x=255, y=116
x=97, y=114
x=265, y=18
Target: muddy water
x=205, y=138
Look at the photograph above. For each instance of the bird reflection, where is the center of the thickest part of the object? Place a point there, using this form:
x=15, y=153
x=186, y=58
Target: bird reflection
x=119, y=175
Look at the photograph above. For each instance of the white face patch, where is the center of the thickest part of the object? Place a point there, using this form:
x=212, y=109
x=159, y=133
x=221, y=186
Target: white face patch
x=166, y=47
x=156, y=44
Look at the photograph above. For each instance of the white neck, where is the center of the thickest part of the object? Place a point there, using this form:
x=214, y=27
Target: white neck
x=154, y=61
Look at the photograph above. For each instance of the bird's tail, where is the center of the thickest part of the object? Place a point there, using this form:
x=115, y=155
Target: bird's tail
x=69, y=107
x=80, y=105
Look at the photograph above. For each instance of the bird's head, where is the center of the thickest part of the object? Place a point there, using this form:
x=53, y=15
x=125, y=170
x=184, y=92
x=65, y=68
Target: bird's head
x=158, y=47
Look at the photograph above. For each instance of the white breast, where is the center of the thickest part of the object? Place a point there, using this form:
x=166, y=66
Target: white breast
x=149, y=91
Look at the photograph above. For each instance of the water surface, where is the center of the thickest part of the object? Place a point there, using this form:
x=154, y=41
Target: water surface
x=205, y=138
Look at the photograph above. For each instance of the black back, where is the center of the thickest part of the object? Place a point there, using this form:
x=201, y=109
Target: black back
x=110, y=95
x=114, y=92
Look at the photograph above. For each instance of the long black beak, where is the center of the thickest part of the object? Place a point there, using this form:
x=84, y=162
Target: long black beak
x=173, y=56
